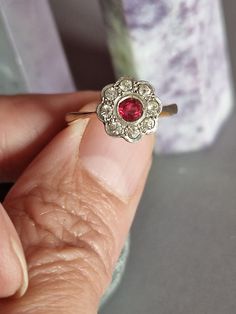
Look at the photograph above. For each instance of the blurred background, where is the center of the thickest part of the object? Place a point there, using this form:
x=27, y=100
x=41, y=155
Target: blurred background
x=183, y=240
x=82, y=30
x=81, y=27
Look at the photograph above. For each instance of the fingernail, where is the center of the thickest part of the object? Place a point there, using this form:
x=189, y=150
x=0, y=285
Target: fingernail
x=13, y=269
x=17, y=248
x=117, y=164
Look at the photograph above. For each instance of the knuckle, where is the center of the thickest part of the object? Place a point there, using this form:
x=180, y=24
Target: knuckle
x=77, y=229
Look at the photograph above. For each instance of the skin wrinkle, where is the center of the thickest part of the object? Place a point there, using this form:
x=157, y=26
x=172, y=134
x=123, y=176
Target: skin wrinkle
x=92, y=221
x=50, y=302
x=85, y=274
x=90, y=244
x=79, y=222
x=58, y=241
x=82, y=180
x=92, y=286
x=78, y=208
x=88, y=275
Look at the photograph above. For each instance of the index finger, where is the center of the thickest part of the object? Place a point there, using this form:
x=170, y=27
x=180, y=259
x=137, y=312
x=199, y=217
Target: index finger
x=29, y=122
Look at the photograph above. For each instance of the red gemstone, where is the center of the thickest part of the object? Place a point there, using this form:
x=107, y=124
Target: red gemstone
x=130, y=109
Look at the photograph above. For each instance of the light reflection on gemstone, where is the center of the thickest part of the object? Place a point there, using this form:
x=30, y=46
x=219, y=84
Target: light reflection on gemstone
x=106, y=111
x=115, y=128
x=144, y=90
x=132, y=132
x=110, y=93
x=126, y=85
x=147, y=124
x=153, y=108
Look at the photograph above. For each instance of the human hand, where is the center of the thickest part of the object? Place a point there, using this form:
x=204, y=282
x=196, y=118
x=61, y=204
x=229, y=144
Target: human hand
x=72, y=206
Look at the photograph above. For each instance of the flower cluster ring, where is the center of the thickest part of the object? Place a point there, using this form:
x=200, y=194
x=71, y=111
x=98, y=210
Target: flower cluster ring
x=128, y=109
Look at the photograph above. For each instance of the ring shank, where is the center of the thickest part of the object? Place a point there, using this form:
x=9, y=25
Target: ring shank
x=167, y=110
x=73, y=116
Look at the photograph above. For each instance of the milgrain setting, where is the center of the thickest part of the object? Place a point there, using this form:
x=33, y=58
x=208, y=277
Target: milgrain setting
x=128, y=109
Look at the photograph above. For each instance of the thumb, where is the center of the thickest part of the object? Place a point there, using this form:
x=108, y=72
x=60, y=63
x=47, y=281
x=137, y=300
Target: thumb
x=73, y=208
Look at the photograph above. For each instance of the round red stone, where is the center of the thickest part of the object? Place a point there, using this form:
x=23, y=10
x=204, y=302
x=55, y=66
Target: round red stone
x=130, y=109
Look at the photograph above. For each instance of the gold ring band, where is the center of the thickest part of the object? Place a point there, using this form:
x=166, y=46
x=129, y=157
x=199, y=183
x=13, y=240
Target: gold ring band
x=168, y=110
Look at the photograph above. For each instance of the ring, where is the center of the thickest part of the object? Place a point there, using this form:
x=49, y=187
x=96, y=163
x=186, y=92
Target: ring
x=128, y=109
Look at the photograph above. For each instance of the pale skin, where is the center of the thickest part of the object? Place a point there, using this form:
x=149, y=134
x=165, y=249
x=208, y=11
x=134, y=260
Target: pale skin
x=74, y=198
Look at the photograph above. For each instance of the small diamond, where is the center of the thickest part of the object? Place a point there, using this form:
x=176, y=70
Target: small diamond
x=126, y=85
x=106, y=112
x=153, y=108
x=152, y=105
x=115, y=127
x=147, y=124
x=110, y=93
x=132, y=132
x=144, y=90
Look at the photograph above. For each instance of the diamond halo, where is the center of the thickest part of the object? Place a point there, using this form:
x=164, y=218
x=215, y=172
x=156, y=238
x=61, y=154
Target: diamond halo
x=129, y=109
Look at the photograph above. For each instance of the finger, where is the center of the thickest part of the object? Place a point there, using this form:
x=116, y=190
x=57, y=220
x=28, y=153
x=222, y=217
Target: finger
x=13, y=269
x=28, y=123
x=73, y=207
